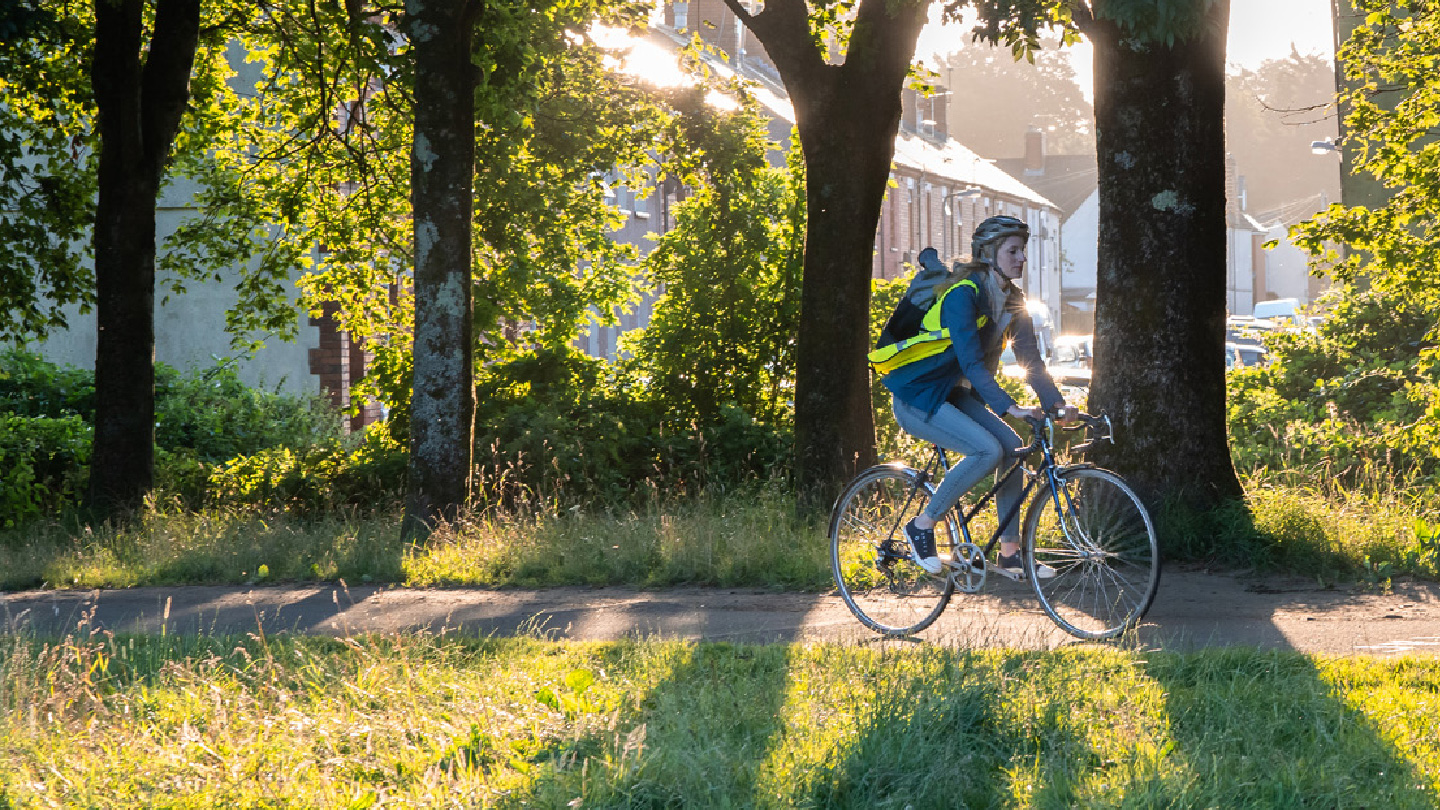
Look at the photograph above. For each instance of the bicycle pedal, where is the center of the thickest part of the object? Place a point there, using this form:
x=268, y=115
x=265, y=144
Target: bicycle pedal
x=1020, y=577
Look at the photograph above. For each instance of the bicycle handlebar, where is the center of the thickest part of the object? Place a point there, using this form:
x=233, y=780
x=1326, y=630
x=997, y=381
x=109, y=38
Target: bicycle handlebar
x=1100, y=426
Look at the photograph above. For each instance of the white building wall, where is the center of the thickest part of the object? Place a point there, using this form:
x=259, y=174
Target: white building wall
x=190, y=328
x=1287, y=269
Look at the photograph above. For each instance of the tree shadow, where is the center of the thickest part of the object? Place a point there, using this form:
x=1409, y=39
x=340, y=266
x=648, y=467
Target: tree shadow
x=1234, y=746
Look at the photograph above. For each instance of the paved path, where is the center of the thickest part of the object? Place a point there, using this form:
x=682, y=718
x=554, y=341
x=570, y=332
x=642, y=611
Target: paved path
x=1194, y=608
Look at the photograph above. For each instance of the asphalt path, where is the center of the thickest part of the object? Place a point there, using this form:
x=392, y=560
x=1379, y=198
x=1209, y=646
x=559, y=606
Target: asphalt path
x=1194, y=608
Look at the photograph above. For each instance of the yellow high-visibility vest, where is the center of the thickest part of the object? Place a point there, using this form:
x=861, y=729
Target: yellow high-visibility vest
x=931, y=341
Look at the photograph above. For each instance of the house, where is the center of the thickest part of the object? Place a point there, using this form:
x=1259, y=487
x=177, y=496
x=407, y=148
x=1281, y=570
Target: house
x=1286, y=268
x=1070, y=182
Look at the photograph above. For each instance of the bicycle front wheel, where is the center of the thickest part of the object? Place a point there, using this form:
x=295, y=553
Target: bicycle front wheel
x=882, y=585
x=1097, y=538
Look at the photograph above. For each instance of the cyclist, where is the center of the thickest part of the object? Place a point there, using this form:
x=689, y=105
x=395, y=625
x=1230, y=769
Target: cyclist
x=950, y=398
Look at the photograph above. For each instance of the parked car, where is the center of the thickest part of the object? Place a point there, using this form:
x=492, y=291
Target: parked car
x=1284, y=312
x=1245, y=354
x=1251, y=331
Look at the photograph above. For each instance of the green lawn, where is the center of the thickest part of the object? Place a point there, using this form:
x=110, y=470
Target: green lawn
x=96, y=721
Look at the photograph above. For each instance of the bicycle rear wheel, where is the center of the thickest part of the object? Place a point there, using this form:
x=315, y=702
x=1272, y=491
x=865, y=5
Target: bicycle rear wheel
x=870, y=558
x=1101, y=543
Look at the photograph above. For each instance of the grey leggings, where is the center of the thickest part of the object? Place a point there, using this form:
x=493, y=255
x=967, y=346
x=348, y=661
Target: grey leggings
x=983, y=438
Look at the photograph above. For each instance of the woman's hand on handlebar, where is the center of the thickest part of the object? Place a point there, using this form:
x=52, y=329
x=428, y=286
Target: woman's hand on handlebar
x=1067, y=414
x=1018, y=412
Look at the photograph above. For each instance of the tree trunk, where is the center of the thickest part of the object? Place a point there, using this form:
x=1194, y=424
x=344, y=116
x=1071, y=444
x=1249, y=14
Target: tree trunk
x=1160, y=298
x=442, y=169
x=848, y=116
x=847, y=168
x=140, y=107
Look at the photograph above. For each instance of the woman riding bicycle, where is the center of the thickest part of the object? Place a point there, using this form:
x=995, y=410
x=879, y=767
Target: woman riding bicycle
x=951, y=398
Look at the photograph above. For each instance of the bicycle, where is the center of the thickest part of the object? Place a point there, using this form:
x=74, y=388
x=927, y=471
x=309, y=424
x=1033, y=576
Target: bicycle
x=1084, y=522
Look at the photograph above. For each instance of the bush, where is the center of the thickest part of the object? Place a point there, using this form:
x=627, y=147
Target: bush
x=552, y=428
x=43, y=461
x=1358, y=394
x=33, y=386
x=322, y=476
x=203, y=419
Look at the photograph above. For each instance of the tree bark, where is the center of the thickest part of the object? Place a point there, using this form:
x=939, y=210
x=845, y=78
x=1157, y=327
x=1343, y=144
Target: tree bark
x=848, y=116
x=140, y=107
x=1160, y=297
x=442, y=169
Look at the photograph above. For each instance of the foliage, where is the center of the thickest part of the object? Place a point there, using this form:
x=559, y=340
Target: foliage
x=1392, y=102
x=325, y=475
x=47, y=168
x=203, y=419
x=723, y=330
x=984, y=83
x=33, y=386
x=43, y=462
x=552, y=120
x=560, y=428
x=1361, y=391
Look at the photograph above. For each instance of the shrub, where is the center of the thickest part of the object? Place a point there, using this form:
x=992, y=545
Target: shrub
x=42, y=464
x=202, y=419
x=553, y=427
x=322, y=476
x=1360, y=392
x=33, y=386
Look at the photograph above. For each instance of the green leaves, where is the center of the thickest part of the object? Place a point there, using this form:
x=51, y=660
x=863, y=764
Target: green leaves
x=1393, y=108
x=723, y=332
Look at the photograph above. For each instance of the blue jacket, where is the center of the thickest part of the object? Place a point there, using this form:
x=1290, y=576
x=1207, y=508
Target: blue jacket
x=926, y=383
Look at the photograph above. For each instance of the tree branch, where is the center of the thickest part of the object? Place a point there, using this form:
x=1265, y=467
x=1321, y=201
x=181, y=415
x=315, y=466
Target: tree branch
x=165, y=84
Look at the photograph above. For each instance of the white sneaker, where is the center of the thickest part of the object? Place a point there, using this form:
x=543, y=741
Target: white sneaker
x=922, y=548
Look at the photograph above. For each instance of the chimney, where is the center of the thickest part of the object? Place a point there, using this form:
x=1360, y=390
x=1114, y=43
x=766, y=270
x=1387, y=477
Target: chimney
x=1034, y=151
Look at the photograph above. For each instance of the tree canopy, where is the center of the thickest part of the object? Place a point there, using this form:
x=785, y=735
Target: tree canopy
x=1396, y=246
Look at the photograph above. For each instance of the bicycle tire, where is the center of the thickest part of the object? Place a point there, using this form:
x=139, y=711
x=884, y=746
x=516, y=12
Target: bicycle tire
x=870, y=558
x=1104, y=553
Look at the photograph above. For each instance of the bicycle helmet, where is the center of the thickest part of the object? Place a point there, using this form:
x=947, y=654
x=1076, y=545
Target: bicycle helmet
x=991, y=232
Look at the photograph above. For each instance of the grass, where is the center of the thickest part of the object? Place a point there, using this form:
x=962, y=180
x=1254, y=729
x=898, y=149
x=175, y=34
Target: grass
x=433, y=721
x=752, y=539
x=1293, y=523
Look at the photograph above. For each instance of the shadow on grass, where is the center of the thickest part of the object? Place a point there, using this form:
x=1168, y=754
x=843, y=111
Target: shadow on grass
x=1280, y=729
x=921, y=727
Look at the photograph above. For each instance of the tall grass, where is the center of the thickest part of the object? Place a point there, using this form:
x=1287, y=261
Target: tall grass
x=752, y=537
x=1294, y=521
x=1305, y=522
x=426, y=721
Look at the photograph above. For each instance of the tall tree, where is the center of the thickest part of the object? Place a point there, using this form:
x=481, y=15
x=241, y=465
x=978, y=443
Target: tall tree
x=1160, y=298
x=723, y=330
x=1160, y=290
x=442, y=166
x=1392, y=102
x=847, y=116
x=141, y=90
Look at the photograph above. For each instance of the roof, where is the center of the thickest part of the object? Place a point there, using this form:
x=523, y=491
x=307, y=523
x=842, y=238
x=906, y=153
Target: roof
x=1293, y=212
x=953, y=160
x=1067, y=180
x=949, y=160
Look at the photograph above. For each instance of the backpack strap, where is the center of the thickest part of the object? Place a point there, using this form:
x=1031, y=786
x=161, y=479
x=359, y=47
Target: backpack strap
x=932, y=340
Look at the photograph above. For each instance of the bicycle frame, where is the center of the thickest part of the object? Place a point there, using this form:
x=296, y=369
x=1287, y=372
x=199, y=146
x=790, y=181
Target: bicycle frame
x=939, y=463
